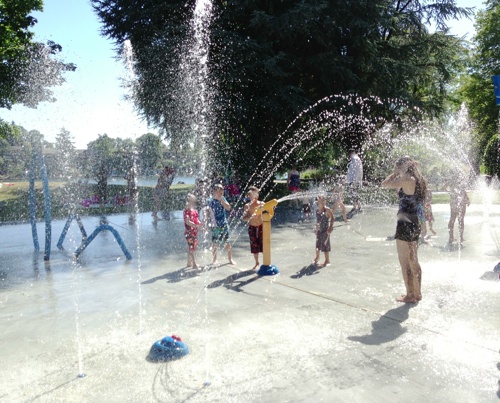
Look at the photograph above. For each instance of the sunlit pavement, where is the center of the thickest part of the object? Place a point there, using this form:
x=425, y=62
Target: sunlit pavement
x=310, y=334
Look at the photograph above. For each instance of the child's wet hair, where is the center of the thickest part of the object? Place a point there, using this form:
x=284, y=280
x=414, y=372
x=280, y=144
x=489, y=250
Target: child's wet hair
x=253, y=189
x=190, y=198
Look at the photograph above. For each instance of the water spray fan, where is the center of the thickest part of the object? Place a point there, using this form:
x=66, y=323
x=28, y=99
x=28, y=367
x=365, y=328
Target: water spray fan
x=267, y=212
x=168, y=349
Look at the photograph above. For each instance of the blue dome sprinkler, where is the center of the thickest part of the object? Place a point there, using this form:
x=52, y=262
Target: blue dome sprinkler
x=267, y=211
x=169, y=348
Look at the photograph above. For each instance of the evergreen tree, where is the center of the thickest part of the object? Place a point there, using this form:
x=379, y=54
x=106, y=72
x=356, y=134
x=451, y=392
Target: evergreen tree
x=65, y=155
x=269, y=60
x=100, y=162
x=150, y=153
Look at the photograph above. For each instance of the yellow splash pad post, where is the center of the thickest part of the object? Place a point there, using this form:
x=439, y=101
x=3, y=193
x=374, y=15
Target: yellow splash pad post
x=267, y=211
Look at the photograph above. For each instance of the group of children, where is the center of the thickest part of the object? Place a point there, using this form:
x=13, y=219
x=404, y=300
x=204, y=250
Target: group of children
x=217, y=207
x=215, y=212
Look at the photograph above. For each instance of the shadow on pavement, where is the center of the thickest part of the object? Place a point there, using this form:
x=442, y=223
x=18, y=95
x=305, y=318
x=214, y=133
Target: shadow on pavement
x=178, y=275
x=227, y=282
x=490, y=276
x=307, y=271
x=387, y=328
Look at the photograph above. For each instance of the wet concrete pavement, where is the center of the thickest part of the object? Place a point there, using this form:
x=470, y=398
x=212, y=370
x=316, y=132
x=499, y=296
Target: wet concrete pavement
x=310, y=334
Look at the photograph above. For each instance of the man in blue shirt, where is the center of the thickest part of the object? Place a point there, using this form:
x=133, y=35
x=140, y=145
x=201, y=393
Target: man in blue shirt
x=220, y=229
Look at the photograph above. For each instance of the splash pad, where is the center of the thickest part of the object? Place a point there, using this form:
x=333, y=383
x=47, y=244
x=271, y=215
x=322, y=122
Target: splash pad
x=338, y=329
x=346, y=313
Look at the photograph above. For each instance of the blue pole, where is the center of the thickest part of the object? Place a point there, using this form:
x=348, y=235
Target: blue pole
x=104, y=227
x=64, y=232
x=48, y=215
x=32, y=205
x=66, y=228
x=82, y=228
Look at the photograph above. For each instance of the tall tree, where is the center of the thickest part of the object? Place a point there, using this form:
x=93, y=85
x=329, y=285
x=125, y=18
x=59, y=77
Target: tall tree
x=100, y=162
x=28, y=68
x=150, y=153
x=268, y=61
x=65, y=154
x=477, y=88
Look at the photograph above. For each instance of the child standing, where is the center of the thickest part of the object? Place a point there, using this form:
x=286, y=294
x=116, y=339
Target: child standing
x=306, y=208
x=191, y=225
x=218, y=206
x=161, y=189
x=428, y=216
x=324, y=226
x=458, y=207
x=338, y=200
x=254, y=223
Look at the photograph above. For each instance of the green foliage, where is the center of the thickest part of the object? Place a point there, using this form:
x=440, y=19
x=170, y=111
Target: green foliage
x=492, y=157
x=15, y=23
x=8, y=131
x=270, y=60
x=14, y=200
x=28, y=68
x=100, y=162
x=477, y=89
x=65, y=164
x=150, y=153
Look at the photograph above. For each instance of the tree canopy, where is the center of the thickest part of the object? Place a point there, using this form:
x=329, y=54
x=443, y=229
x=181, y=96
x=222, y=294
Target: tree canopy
x=269, y=60
x=28, y=67
x=477, y=87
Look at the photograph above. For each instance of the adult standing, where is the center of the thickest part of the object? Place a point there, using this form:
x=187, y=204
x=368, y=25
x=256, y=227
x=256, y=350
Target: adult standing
x=354, y=180
x=412, y=188
x=161, y=189
x=293, y=183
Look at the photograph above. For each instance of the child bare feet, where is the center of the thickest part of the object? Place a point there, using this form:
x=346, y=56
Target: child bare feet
x=315, y=261
x=257, y=264
x=326, y=263
x=233, y=262
x=407, y=299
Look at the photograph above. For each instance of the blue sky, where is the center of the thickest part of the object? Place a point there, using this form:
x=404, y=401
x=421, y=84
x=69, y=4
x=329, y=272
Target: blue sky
x=91, y=101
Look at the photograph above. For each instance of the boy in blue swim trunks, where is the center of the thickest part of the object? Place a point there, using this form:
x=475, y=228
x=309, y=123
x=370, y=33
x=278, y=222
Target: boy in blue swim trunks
x=220, y=229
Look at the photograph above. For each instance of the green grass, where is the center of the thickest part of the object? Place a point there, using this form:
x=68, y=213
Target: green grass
x=475, y=198
x=441, y=198
x=14, y=200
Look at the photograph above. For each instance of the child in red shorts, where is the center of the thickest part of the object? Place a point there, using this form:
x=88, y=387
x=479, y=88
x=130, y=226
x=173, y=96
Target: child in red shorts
x=191, y=224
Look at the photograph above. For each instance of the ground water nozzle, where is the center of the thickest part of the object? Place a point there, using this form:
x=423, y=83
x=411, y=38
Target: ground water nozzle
x=168, y=349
